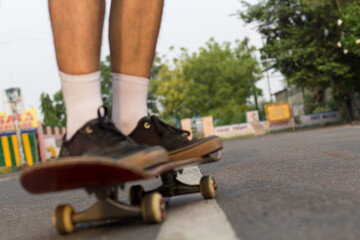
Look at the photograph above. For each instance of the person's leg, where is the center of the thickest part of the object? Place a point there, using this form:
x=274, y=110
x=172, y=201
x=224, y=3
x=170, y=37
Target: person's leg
x=77, y=30
x=133, y=32
x=134, y=27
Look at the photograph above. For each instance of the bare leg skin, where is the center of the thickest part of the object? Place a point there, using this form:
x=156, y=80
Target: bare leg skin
x=133, y=32
x=77, y=30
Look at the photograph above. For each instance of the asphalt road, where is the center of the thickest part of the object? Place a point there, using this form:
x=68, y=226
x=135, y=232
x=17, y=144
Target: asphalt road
x=301, y=185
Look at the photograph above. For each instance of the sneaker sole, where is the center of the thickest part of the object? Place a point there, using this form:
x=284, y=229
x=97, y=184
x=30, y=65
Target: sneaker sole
x=148, y=158
x=198, y=149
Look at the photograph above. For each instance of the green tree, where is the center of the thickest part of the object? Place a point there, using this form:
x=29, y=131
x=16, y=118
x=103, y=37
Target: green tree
x=347, y=92
x=60, y=107
x=106, y=85
x=48, y=110
x=217, y=80
x=301, y=38
x=151, y=100
x=169, y=91
x=349, y=24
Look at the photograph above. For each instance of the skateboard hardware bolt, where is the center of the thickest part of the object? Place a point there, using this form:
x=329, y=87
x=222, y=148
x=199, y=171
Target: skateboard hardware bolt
x=89, y=130
x=147, y=125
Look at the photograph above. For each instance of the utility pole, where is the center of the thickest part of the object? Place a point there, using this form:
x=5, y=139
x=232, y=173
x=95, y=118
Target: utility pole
x=246, y=41
x=13, y=95
x=267, y=73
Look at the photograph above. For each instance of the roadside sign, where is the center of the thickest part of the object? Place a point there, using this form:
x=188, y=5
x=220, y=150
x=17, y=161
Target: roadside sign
x=278, y=112
x=27, y=121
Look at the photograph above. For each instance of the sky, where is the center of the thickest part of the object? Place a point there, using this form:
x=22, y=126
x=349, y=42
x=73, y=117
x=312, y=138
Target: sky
x=27, y=57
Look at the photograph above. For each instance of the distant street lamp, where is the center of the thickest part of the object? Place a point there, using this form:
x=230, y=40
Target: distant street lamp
x=13, y=94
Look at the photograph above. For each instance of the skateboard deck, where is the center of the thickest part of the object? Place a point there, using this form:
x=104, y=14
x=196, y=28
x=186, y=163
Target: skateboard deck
x=92, y=172
x=102, y=176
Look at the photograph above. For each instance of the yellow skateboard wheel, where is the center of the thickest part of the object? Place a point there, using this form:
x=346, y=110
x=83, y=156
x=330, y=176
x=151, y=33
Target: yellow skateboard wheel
x=208, y=187
x=62, y=219
x=153, y=208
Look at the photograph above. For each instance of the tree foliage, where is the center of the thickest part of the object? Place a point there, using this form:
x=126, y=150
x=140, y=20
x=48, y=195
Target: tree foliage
x=49, y=111
x=301, y=41
x=349, y=23
x=151, y=100
x=217, y=80
x=106, y=85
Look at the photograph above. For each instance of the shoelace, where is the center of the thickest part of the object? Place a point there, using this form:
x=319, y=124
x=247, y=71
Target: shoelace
x=160, y=125
x=112, y=133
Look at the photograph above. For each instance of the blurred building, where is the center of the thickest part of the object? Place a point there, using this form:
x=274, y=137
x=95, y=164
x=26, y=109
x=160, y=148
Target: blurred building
x=295, y=95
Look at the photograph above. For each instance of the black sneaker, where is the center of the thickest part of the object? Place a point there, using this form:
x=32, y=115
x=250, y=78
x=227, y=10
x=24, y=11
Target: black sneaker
x=155, y=132
x=100, y=137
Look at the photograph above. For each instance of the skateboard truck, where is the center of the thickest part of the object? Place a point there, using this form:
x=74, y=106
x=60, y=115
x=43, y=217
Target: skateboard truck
x=172, y=187
x=152, y=210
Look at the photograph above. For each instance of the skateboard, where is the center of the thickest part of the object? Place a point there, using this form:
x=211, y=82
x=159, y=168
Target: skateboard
x=102, y=177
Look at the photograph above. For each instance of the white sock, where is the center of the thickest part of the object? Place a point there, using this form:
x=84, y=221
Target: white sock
x=82, y=97
x=129, y=101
